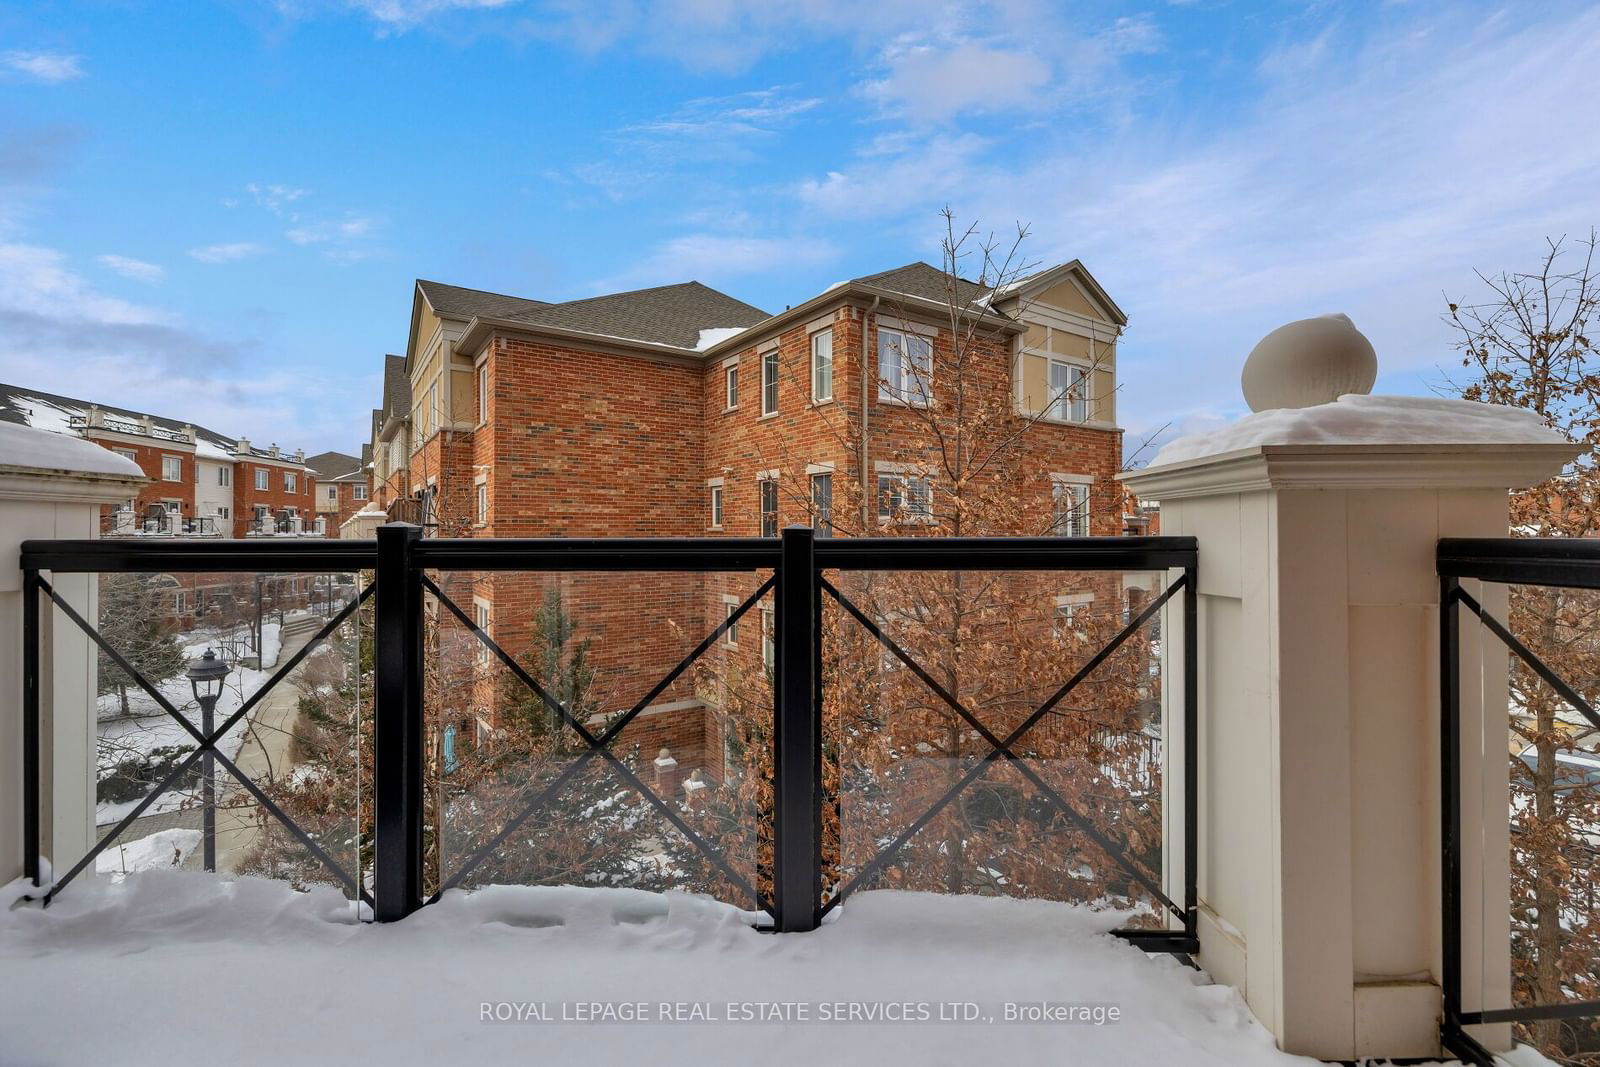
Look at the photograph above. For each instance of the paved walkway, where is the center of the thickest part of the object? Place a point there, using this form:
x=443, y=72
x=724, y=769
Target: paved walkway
x=263, y=757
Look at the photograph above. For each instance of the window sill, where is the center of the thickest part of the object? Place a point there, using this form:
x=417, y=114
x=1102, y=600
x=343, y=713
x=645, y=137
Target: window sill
x=768, y=415
x=889, y=401
x=713, y=529
x=824, y=402
x=730, y=410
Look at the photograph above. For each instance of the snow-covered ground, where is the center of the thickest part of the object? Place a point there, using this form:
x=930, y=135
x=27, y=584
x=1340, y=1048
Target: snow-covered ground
x=149, y=727
x=106, y=974
x=163, y=850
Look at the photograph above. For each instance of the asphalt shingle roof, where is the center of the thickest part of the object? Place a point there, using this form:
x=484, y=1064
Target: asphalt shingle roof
x=921, y=280
x=332, y=464
x=666, y=315
x=396, y=387
x=452, y=301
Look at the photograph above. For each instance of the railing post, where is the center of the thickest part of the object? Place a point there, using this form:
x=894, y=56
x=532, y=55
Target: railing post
x=1191, y=750
x=30, y=726
x=1450, y=800
x=397, y=744
x=797, y=740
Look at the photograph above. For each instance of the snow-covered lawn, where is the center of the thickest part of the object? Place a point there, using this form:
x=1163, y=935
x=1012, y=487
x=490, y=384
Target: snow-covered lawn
x=149, y=727
x=106, y=974
x=163, y=850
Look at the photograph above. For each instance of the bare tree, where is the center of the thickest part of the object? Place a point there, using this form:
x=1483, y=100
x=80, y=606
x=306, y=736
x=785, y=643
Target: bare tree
x=1528, y=344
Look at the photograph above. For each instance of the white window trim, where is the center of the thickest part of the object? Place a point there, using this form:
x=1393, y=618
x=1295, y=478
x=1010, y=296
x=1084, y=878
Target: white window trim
x=769, y=636
x=716, y=500
x=763, y=477
x=920, y=401
x=165, y=459
x=1084, y=481
x=483, y=618
x=263, y=480
x=730, y=637
x=481, y=377
x=906, y=471
x=777, y=375
x=730, y=370
x=812, y=341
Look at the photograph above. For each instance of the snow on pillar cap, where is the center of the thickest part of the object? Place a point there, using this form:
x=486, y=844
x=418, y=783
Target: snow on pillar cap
x=1308, y=362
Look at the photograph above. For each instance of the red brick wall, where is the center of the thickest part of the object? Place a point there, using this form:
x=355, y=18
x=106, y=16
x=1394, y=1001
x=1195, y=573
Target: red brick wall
x=276, y=498
x=148, y=457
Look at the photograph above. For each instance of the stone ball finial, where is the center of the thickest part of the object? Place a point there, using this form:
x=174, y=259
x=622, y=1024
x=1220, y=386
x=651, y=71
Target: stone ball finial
x=1308, y=362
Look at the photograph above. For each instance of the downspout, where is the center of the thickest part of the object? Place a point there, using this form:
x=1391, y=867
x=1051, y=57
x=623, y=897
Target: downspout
x=866, y=467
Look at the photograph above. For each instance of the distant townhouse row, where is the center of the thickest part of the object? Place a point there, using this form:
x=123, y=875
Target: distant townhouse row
x=200, y=483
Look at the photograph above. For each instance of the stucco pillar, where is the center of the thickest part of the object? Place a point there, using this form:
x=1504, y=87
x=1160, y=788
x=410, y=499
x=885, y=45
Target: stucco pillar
x=1318, y=676
x=51, y=486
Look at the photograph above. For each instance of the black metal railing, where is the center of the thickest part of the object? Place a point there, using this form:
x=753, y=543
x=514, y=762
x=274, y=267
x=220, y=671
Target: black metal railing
x=398, y=560
x=1558, y=563
x=122, y=522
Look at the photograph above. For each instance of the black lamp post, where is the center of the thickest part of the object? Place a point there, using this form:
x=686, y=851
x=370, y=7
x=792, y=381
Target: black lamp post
x=205, y=677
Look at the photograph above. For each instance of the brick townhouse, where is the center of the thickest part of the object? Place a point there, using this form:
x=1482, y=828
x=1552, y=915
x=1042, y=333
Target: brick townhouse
x=342, y=487
x=681, y=411
x=201, y=483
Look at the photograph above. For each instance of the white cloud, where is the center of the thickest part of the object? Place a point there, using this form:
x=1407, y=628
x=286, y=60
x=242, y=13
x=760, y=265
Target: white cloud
x=146, y=359
x=929, y=82
x=36, y=281
x=349, y=229
x=714, y=258
x=405, y=14
x=1380, y=164
x=227, y=252
x=49, y=67
x=275, y=198
x=136, y=269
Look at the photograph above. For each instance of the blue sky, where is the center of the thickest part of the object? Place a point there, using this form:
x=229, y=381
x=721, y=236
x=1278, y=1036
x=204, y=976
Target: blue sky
x=216, y=211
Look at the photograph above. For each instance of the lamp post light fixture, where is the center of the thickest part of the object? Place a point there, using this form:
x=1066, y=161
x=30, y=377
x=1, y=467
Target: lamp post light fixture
x=205, y=677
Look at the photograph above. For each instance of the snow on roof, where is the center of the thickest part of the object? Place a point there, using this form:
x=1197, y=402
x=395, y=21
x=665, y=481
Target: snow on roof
x=25, y=446
x=715, y=335
x=1354, y=419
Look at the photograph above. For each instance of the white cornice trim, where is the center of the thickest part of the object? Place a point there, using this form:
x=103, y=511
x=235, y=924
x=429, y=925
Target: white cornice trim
x=67, y=487
x=1377, y=466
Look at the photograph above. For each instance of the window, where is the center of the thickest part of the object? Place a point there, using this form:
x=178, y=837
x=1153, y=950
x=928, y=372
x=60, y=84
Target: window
x=483, y=394
x=1069, y=400
x=1067, y=608
x=769, y=651
x=480, y=612
x=730, y=604
x=361, y=491
x=172, y=468
x=822, y=366
x=1069, y=508
x=716, y=507
x=431, y=413
x=222, y=512
x=127, y=453
x=288, y=482
x=180, y=601
x=822, y=504
x=769, y=382
x=333, y=493
x=769, y=507
x=905, y=367
x=732, y=384
x=261, y=478
x=224, y=476
x=904, y=497
x=173, y=506
x=483, y=502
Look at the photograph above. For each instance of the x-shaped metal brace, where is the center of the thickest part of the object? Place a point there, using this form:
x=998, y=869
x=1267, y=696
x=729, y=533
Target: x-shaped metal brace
x=206, y=744
x=598, y=745
x=1001, y=748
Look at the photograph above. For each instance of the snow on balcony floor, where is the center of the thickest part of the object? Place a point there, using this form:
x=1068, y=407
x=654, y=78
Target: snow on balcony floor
x=172, y=967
